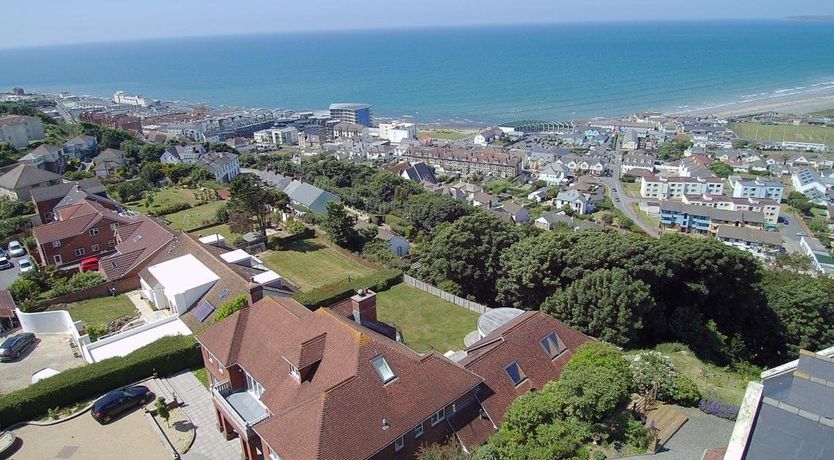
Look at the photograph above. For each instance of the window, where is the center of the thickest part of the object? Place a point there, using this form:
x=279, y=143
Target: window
x=93, y=231
x=551, y=345
x=515, y=373
x=418, y=430
x=383, y=370
x=438, y=416
x=111, y=243
x=79, y=252
x=57, y=259
x=399, y=443
x=295, y=372
x=94, y=248
x=113, y=227
x=56, y=244
x=273, y=455
x=252, y=386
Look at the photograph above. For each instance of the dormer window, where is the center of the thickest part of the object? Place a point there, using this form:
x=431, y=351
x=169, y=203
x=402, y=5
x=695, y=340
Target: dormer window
x=551, y=345
x=383, y=370
x=515, y=373
x=295, y=372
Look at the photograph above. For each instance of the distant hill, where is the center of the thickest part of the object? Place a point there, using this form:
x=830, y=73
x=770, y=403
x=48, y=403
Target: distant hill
x=813, y=18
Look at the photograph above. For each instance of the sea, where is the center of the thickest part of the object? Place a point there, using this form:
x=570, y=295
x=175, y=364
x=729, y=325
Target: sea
x=463, y=75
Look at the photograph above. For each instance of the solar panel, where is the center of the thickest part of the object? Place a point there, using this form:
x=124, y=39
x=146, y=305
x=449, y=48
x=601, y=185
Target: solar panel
x=203, y=310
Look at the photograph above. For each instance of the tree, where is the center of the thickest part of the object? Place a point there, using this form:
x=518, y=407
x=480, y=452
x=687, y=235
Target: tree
x=338, y=224
x=804, y=305
x=608, y=304
x=721, y=169
x=450, y=450
x=23, y=289
x=799, y=202
x=651, y=368
x=152, y=172
x=162, y=409
x=426, y=211
x=256, y=200
x=130, y=190
x=227, y=309
x=674, y=150
x=591, y=387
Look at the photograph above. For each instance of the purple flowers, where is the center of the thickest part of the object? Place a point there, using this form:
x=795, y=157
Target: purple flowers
x=718, y=408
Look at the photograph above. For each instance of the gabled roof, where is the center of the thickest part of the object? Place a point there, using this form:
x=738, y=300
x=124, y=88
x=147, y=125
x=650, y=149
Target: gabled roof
x=25, y=175
x=77, y=218
x=83, y=139
x=109, y=154
x=338, y=412
x=53, y=192
x=310, y=196
x=138, y=242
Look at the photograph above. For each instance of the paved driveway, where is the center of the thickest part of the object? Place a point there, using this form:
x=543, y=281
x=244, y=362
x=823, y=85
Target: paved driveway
x=9, y=275
x=50, y=350
x=127, y=438
x=699, y=433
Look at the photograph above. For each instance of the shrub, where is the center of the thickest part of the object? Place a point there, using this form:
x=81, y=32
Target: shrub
x=78, y=282
x=651, y=368
x=170, y=209
x=332, y=293
x=96, y=330
x=684, y=391
x=16, y=208
x=165, y=356
x=599, y=455
x=719, y=408
x=24, y=289
x=227, y=309
x=636, y=434
x=221, y=216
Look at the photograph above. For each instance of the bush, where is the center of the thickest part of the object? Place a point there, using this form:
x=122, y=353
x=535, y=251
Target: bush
x=628, y=178
x=165, y=356
x=599, y=455
x=78, y=282
x=170, y=209
x=636, y=434
x=96, y=330
x=332, y=293
x=719, y=408
x=16, y=208
x=227, y=309
x=221, y=216
x=684, y=391
x=651, y=368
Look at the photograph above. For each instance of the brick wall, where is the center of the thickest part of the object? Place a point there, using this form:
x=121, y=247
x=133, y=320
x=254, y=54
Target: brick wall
x=121, y=286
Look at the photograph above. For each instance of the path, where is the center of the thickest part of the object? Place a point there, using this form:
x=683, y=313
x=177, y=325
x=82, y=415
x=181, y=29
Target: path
x=145, y=310
x=699, y=433
x=209, y=444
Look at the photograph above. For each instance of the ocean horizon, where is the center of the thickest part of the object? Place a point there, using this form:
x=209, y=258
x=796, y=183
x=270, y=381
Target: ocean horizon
x=462, y=75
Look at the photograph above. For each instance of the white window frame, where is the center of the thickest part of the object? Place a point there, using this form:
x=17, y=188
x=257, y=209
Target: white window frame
x=419, y=430
x=399, y=444
x=253, y=387
x=438, y=417
x=94, y=231
x=80, y=252
x=58, y=259
x=111, y=243
x=383, y=369
x=56, y=244
x=95, y=248
x=295, y=372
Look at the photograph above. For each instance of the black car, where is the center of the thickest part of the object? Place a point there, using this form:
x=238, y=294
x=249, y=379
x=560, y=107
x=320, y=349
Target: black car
x=118, y=401
x=14, y=347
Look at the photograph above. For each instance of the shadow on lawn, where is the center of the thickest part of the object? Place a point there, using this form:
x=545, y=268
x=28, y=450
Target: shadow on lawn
x=305, y=246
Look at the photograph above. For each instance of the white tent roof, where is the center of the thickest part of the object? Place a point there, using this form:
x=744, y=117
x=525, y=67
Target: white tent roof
x=182, y=274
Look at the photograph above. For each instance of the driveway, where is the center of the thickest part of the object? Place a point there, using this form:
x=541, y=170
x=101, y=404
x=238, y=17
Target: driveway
x=50, y=350
x=127, y=438
x=9, y=275
x=699, y=433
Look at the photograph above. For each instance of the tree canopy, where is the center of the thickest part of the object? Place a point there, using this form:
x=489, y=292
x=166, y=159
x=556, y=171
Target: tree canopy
x=253, y=198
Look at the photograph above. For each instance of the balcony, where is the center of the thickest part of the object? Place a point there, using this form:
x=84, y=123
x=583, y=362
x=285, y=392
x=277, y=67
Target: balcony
x=242, y=407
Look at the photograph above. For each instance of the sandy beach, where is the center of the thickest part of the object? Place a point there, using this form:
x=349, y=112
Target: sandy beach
x=797, y=104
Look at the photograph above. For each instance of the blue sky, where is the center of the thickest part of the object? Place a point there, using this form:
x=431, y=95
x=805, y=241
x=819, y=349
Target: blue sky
x=46, y=22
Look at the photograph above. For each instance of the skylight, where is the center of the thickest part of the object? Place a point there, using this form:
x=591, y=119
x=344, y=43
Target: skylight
x=383, y=370
x=515, y=373
x=551, y=345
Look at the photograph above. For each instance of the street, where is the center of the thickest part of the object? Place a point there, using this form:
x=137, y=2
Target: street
x=613, y=183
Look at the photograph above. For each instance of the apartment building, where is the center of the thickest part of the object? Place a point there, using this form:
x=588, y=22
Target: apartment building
x=757, y=188
x=768, y=207
x=467, y=161
x=704, y=219
x=664, y=188
x=19, y=130
x=352, y=113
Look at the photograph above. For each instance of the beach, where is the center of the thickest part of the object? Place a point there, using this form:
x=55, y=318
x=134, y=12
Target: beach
x=796, y=104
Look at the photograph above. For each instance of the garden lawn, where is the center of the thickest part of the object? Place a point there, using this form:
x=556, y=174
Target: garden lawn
x=426, y=322
x=222, y=229
x=779, y=133
x=451, y=135
x=311, y=263
x=164, y=198
x=194, y=217
x=101, y=310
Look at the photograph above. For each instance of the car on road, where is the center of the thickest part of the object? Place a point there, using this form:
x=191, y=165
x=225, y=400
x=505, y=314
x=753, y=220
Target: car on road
x=801, y=234
x=13, y=347
x=15, y=249
x=26, y=265
x=119, y=401
x=616, y=199
x=614, y=189
x=5, y=263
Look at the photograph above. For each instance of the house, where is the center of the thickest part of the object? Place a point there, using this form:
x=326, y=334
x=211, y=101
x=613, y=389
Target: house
x=331, y=383
x=554, y=174
x=788, y=416
x=349, y=130
x=182, y=154
x=487, y=136
x=108, y=161
x=638, y=160
x=631, y=140
x=484, y=200
x=277, y=136
x=758, y=242
x=538, y=195
x=548, y=220
x=19, y=130
x=580, y=203
x=810, y=184
x=46, y=156
x=398, y=245
x=225, y=166
x=519, y=214
x=80, y=146
x=19, y=181
x=83, y=226
x=309, y=197
x=136, y=244
x=758, y=188
x=417, y=172
x=46, y=198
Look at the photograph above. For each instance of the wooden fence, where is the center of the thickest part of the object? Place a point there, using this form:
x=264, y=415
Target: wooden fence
x=459, y=301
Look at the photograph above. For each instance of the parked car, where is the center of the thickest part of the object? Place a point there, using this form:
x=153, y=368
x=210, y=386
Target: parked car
x=89, y=264
x=26, y=265
x=118, y=401
x=15, y=249
x=5, y=263
x=3, y=253
x=14, y=346
x=801, y=234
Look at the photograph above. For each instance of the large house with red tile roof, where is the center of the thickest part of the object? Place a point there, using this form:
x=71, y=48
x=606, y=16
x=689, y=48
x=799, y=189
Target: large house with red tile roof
x=46, y=198
x=297, y=384
x=136, y=244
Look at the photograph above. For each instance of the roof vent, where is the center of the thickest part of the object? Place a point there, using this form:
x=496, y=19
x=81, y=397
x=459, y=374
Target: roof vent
x=385, y=424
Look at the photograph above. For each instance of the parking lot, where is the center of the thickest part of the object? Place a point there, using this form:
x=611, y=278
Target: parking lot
x=50, y=350
x=9, y=275
x=128, y=437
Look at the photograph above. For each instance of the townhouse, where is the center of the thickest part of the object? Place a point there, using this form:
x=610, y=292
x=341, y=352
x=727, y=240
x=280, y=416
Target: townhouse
x=466, y=161
x=704, y=219
x=768, y=207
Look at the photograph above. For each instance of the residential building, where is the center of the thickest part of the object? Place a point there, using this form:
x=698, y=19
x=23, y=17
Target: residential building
x=395, y=131
x=417, y=172
x=631, y=140
x=519, y=214
x=810, y=184
x=46, y=156
x=580, y=203
x=638, y=160
x=467, y=161
x=304, y=196
x=277, y=136
x=487, y=136
x=352, y=113
x=554, y=174
x=539, y=195
x=349, y=130
x=758, y=188
x=663, y=188
x=788, y=416
x=46, y=198
x=18, y=182
x=820, y=257
x=594, y=165
x=705, y=219
x=398, y=245
x=759, y=242
x=19, y=130
x=182, y=154
x=80, y=146
x=83, y=226
x=766, y=206
x=108, y=161
x=804, y=146
x=484, y=200
x=136, y=245
x=224, y=165
x=120, y=97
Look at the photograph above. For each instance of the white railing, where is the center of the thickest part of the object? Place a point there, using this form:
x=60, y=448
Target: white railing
x=231, y=412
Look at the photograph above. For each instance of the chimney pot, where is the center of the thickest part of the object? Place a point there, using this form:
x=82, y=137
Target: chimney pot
x=364, y=306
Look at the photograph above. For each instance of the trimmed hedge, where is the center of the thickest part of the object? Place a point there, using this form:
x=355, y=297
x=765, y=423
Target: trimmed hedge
x=177, y=207
x=165, y=356
x=332, y=293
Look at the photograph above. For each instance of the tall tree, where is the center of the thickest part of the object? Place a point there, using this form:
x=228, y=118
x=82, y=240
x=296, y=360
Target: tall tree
x=428, y=210
x=253, y=198
x=338, y=224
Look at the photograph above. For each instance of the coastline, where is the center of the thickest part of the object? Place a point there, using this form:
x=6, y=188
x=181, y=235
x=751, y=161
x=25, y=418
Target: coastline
x=794, y=104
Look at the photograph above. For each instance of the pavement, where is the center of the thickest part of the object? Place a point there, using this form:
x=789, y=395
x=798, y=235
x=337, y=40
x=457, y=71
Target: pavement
x=699, y=433
x=209, y=444
x=130, y=437
x=789, y=231
x=50, y=350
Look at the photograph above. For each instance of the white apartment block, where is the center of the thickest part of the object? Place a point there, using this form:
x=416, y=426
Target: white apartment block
x=757, y=188
x=277, y=136
x=664, y=188
x=120, y=97
x=395, y=131
x=767, y=206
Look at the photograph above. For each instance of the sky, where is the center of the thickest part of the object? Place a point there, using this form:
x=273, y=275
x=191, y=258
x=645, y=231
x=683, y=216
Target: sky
x=51, y=22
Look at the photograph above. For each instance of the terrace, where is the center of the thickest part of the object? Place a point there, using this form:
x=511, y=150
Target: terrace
x=241, y=406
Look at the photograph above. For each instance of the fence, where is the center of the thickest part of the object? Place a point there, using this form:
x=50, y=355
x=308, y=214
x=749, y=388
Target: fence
x=459, y=301
x=53, y=322
x=121, y=286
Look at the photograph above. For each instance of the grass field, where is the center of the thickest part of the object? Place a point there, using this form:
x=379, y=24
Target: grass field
x=194, y=217
x=222, y=229
x=312, y=263
x=427, y=322
x=164, y=198
x=452, y=135
x=101, y=310
x=779, y=133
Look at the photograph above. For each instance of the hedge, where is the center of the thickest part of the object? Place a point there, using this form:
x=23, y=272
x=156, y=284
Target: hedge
x=164, y=356
x=332, y=293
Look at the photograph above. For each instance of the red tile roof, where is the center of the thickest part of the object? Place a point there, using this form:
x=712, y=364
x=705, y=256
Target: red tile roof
x=338, y=412
x=7, y=304
x=138, y=242
x=77, y=218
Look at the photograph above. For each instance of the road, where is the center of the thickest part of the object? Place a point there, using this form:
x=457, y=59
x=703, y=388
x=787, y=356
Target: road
x=613, y=183
x=9, y=275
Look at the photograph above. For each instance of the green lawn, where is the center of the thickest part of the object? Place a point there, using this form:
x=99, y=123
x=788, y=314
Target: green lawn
x=202, y=376
x=779, y=133
x=194, y=217
x=427, y=322
x=222, y=229
x=164, y=198
x=824, y=113
x=101, y=310
x=312, y=263
x=452, y=135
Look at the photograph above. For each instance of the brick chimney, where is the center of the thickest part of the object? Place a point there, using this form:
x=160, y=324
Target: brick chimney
x=256, y=292
x=364, y=306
